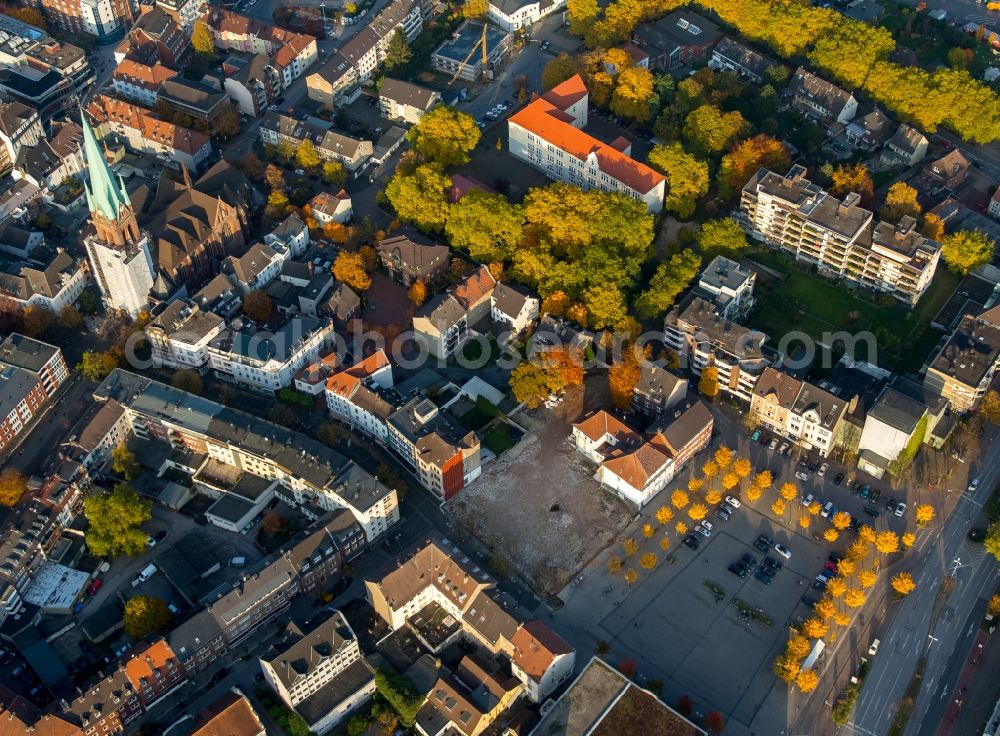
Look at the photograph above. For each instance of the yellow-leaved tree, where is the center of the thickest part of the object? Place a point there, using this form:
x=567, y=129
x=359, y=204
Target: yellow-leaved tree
x=903, y=583
x=679, y=499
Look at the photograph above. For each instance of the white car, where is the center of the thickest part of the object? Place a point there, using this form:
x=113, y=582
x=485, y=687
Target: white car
x=873, y=649
x=783, y=551
x=784, y=446
x=707, y=525
x=822, y=469
x=734, y=502
x=974, y=484
x=150, y=542
x=774, y=443
x=801, y=476
x=700, y=529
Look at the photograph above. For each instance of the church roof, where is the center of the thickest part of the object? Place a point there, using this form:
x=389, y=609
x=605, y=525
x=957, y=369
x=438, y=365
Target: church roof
x=105, y=193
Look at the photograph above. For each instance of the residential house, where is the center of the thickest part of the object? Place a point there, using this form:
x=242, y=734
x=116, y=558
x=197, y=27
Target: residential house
x=945, y=173
x=356, y=61
x=601, y=700
x=341, y=305
x=155, y=38
x=409, y=256
x=309, y=471
x=18, y=242
x=52, y=160
x=729, y=286
x=278, y=128
x=701, y=336
x=31, y=371
x=820, y=100
x=312, y=294
x=547, y=133
x=319, y=672
x=103, y=19
x=355, y=395
x=454, y=58
x=255, y=269
x=289, y=53
x=513, y=306
x=839, y=236
x=291, y=234
x=541, y=660
x=220, y=297
x=732, y=56
x=680, y=38
x=399, y=100
x=963, y=369
x=657, y=391
x=143, y=132
x=20, y=127
x=601, y=434
x=52, y=286
x=441, y=326
x=251, y=81
x=870, y=131
x=806, y=414
x=466, y=700
x=138, y=82
x=443, y=456
x=994, y=206
x=890, y=425
x=231, y=715
x=184, y=12
x=513, y=15
x=266, y=360
x=906, y=148
x=329, y=207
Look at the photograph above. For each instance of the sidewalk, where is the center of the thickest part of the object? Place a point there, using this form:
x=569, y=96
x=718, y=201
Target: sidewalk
x=968, y=708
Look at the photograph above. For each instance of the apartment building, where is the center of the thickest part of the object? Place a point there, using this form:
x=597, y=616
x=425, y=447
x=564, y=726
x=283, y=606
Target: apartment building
x=964, y=367
x=907, y=147
x=319, y=672
x=409, y=256
x=353, y=153
x=340, y=78
x=255, y=269
x=548, y=134
x=729, y=286
x=732, y=56
x=20, y=127
x=840, y=237
x=143, y=132
x=355, y=396
x=455, y=55
x=513, y=15
x=51, y=286
x=40, y=72
x=265, y=360
x=799, y=411
x=701, y=336
x=399, y=100
x=656, y=391
x=819, y=99
x=184, y=12
x=231, y=715
x=310, y=472
x=434, y=571
x=444, y=456
x=31, y=373
x=180, y=335
x=680, y=38
x=290, y=53
x=105, y=19
x=466, y=699
x=140, y=83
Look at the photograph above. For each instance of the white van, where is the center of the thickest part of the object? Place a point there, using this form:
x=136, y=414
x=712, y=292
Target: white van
x=145, y=574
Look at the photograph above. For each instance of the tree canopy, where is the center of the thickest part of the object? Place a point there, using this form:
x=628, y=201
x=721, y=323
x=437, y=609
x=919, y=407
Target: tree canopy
x=145, y=615
x=114, y=518
x=710, y=130
x=123, y=462
x=96, y=366
x=670, y=279
x=966, y=250
x=13, y=484
x=421, y=197
x=398, y=52
x=533, y=381
x=444, y=136
x=900, y=200
x=722, y=238
x=486, y=225
x=350, y=269
x=687, y=177
x=744, y=160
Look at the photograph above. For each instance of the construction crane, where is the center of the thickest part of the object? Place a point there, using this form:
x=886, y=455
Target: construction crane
x=481, y=43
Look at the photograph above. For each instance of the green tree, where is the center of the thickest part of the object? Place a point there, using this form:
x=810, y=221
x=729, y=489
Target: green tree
x=96, y=366
x=634, y=97
x=670, y=279
x=966, y=250
x=188, y=380
x=145, y=615
x=558, y=70
x=123, y=462
x=421, y=198
x=687, y=177
x=398, y=52
x=13, y=484
x=856, y=179
x=334, y=174
x=581, y=14
x=445, y=136
x=722, y=238
x=992, y=541
x=307, y=155
x=400, y=694
x=70, y=317
x=487, y=225
x=201, y=41
x=349, y=268
x=605, y=304
x=711, y=131
x=277, y=204
x=114, y=519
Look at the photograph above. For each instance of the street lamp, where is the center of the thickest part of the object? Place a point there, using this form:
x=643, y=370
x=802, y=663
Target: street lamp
x=322, y=8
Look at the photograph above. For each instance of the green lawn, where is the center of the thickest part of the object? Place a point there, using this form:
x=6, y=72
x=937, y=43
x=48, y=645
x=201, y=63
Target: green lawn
x=500, y=439
x=813, y=305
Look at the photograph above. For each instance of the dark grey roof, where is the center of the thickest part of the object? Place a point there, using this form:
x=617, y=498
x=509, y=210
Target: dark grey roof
x=406, y=93
x=898, y=411
x=342, y=687
x=509, y=300
x=300, y=651
x=826, y=94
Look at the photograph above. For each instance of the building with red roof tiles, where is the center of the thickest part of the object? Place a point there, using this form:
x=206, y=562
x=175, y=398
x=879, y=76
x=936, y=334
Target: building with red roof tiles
x=355, y=395
x=602, y=433
x=474, y=292
x=154, y=672
x=156, y=37
x=548, y=134
x=138, y=82
x=230, y=715
x=143, y=132
x=542, y=661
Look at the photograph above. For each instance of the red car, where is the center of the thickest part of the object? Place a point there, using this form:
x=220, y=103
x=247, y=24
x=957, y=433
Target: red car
x=830, y=566
x=94, y=587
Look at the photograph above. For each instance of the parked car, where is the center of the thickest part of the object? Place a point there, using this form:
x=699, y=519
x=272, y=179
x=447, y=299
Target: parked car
x=733, y=502
x=871, y=511
x=756, y=435
x=17, y=670
x=801, y=476
x=772, y=563
x=890, y=505
x=855, y=488
x=838, y=479
x=808, y=601
x=749, y=560
x=692, y=541
x=875, y=494
x=813, y=466
x=808, y=499
x=160, y=535
x=822, y=469
x=150, y=542
x=219, y=676
x=900, y=509
x=545, y=45
x=763, y=576
x=828, y=510
x=763, y=543
x=703, y=530
x=783, y=449
x=783, y=551
x=873, y=649
x=738, y=570
x=773, y=444
x=865, y=491
x=973, y=485
x=723, y=512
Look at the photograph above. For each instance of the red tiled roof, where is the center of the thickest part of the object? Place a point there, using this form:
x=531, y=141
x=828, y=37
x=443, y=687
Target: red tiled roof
x=328, y=203
x=104, y=109
x=602, y=423
x=475, y=287
x=346, y=381
x=150, y=77
x=535, y=648
x=320, y=370
x=145, y=662
x=549, y=121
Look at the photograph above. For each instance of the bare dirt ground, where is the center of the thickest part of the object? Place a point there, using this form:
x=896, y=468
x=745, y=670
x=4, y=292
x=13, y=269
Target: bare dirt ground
x=538, y=506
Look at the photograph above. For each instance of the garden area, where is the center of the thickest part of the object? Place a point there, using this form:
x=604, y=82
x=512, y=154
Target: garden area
x=814, y=305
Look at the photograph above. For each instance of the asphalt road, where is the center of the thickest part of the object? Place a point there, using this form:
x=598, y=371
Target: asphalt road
x=911, y=633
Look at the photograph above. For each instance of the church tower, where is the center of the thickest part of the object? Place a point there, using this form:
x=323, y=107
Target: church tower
x=118, y=250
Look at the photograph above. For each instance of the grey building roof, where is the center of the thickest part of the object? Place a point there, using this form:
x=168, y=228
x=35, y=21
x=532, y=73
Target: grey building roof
x=230, y=508
x=509, y=300
x=26, y=352
x=898, y=411
x=443, y=311
x=724, y=273
x=328, y=140
x=971, y=350
x=355, y=678
x=302, y=651
x=825, y=94
x=250, y=265
x=193, y=95
x=743, y=56
x=414, y=252
x=193, y=634
x=828, y=407
x=405, y=93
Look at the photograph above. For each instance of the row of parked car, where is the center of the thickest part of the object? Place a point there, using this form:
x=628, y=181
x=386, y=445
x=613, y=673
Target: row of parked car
x=705, y=528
